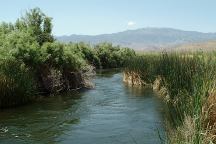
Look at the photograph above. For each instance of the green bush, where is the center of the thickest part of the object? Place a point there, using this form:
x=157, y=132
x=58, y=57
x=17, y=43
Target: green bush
x=29, y=54
x=113, y=56
x=86, y=52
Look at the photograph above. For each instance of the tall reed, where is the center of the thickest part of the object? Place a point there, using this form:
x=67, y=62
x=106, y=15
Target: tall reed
x=16, y=84
x=188, y=78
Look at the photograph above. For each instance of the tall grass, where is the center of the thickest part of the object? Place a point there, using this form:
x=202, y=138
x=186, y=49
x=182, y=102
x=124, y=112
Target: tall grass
x=188, y=80
x=16, y=84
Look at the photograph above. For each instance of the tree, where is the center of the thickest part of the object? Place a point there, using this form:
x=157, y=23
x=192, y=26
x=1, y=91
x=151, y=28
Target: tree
x=37, y=24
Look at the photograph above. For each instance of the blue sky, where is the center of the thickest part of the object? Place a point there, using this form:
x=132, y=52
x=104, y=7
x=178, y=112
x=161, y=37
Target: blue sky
x=108, y=16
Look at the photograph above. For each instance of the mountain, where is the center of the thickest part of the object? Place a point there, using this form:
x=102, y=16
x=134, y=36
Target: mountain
x=144, y=39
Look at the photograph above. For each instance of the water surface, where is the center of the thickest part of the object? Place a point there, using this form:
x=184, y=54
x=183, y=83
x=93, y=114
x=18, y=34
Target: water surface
x=112, y=113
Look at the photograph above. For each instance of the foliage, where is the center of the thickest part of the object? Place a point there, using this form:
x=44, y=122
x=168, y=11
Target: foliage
x=31, y=58
x=113, y=56
x=86, y=52
x=37, y=24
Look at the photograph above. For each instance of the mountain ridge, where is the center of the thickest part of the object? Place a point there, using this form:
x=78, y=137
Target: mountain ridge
x=144, y=38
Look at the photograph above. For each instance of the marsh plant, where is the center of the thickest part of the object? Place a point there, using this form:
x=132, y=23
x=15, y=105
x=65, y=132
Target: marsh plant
x=188, y=80
x=17, y=85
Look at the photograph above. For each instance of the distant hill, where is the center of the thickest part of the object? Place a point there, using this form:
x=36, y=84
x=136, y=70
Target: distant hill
x=145, y=39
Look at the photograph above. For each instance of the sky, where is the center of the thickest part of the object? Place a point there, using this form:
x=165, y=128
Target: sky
x=93, y=17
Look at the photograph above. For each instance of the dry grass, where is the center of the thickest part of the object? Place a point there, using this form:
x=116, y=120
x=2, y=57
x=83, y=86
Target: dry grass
x=204, y=46
x=183, y=134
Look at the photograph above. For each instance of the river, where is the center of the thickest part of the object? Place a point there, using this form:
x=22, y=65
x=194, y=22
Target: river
x=111, y=113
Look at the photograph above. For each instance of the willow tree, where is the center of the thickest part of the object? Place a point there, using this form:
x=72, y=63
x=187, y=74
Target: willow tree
x=37, y=24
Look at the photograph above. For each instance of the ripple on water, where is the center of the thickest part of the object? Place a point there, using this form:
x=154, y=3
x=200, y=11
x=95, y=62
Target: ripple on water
x=110, y=113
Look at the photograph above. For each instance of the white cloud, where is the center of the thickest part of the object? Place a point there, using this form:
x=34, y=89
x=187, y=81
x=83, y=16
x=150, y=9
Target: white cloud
x=131, y=23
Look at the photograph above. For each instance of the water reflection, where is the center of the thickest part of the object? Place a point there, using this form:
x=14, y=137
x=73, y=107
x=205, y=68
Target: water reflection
x=108, y=73
x=40, y=122
x=138, y=90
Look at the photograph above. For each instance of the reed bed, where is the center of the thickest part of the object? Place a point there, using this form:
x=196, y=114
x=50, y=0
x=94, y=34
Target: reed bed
x=16, y=84
x=189, y=83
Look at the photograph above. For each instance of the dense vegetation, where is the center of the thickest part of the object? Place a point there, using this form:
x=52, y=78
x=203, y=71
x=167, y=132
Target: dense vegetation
x=186, y=82
x=33, y=62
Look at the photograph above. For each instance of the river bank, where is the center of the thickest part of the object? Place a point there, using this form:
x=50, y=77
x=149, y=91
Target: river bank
x=112, y=112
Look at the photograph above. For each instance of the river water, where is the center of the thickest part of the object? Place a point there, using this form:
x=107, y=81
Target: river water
x=112, y=113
